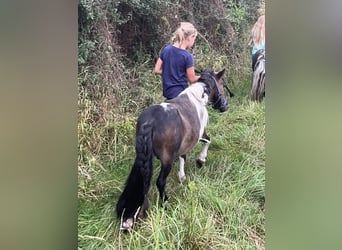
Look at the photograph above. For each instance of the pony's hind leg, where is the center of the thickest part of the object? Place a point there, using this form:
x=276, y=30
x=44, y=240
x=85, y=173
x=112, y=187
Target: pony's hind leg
x=144, y=207
x=181, y=173
x=161, y=181
x=201, y=159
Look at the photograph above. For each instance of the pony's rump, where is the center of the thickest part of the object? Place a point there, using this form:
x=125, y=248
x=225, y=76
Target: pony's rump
x=258, y=78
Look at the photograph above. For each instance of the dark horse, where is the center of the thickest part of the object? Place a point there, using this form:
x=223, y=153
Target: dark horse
x=169, y=130
x=258, y=78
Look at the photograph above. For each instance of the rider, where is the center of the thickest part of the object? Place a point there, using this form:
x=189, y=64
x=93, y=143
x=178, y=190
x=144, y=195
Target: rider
x=176, y=64
x=257, y=38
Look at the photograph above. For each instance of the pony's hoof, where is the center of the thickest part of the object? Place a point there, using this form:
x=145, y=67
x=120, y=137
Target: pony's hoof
x=127, y=225
x=164, y=202
x=181, y=178
x=200, y=163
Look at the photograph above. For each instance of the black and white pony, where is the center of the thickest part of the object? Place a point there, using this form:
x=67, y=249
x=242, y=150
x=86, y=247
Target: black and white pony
x=258, y=78
x=168, y=131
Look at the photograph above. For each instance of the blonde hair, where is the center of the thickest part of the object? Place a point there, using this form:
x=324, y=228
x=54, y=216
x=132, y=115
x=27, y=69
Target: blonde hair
x=258, y=32
x=184, y=31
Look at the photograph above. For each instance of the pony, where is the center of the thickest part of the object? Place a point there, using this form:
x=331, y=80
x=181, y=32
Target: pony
x=258, y=77
x=168, y=131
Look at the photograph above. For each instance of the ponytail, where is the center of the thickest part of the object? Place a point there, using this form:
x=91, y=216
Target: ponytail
x=184, y=31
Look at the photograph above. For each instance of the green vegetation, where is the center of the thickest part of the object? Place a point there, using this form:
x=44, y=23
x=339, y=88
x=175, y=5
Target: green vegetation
x=219, y=206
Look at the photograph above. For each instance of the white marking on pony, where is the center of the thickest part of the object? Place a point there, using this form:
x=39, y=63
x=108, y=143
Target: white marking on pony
x=196, y=94
x=164, y=105
x=181, y=173
x=205, y=140
x=203, y=154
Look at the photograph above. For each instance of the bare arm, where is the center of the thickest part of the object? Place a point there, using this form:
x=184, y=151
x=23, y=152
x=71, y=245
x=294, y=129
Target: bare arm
x=158, y=66
x=190, y=73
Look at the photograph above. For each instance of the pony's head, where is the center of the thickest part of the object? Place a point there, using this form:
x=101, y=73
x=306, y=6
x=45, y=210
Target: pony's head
x=215, y=89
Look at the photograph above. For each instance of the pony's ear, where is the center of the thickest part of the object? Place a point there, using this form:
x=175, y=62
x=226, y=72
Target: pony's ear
x=219, y=75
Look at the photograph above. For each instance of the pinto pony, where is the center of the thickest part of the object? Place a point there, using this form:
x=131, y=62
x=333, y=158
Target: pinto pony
x=258, y=59
x=168, y=131
x=258, y=78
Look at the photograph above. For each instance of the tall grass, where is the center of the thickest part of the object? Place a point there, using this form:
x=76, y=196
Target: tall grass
x=219, y=206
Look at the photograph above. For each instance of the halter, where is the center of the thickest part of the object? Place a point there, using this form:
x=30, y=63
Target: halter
x=218, y=103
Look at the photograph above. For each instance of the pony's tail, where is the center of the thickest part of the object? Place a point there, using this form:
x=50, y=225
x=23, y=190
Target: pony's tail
x=134, y=195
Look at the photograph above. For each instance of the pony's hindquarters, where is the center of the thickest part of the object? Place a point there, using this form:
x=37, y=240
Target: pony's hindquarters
x=133, y=198
x=258, y=79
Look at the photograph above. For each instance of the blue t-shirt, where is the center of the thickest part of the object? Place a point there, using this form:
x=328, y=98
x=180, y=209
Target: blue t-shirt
x=255, y=49
x=175, y=63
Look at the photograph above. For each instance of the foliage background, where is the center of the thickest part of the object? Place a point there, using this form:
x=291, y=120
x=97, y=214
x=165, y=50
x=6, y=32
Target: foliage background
x=117, y=37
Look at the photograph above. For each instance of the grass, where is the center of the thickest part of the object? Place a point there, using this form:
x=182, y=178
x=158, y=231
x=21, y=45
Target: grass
x=219, y=206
